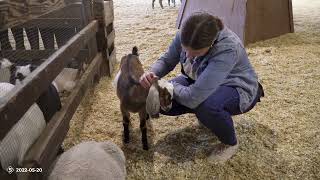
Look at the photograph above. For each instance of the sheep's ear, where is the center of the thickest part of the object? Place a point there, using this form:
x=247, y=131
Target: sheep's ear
x=153, y=102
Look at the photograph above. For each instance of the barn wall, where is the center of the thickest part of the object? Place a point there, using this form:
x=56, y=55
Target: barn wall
x=267, y=19
x=251, y=20
x=232, y=12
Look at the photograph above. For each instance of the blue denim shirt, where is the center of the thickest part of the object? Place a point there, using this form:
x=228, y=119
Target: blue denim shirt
x=225, y=64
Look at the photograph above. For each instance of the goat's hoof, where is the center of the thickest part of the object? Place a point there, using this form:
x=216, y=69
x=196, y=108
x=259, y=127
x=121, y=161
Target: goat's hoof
x=145, y=147
x=60, y=151
x=126, y=140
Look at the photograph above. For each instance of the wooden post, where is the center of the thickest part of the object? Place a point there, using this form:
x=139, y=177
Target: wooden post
x=102, y=44
x=291, y=16
x=87, y=16
x=109, y=18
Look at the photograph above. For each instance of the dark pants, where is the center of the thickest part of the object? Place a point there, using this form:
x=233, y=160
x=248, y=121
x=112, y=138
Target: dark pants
x=215, y=112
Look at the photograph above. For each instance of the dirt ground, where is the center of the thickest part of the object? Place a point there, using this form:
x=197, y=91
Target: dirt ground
x=279, y=138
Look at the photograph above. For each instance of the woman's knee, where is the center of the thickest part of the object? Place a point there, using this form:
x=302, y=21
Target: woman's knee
x=206, y=111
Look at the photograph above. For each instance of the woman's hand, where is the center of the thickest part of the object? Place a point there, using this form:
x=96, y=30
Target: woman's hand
x=147, y=79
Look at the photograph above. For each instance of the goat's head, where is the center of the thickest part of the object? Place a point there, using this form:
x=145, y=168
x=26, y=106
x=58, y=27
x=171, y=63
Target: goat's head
x=159, y=97
x=133, y=58
x=131, y=67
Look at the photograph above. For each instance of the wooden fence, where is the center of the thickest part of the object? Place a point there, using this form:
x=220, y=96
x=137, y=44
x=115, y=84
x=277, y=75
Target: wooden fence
x=90, y=39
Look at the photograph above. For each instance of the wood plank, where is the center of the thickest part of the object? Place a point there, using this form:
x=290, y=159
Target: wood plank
x=43, y=152
x=18, y=101
x=69, y=11
x=33, y=56
x=181, y=13
x=112, y=61
x=102, y=44
x=52, y=23
x=266, y=19
x=291, y=16
x=5, y=176
x=111, y=38
x=108, y=11
x=109, y=28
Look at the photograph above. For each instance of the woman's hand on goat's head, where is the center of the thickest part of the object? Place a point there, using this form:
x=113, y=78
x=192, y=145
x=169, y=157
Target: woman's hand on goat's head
x=147, y=79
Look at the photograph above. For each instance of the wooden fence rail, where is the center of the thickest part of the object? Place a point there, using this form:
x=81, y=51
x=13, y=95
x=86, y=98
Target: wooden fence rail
x=92, y=42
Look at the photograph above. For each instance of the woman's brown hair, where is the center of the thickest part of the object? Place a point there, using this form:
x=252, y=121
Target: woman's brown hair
x=199, y=30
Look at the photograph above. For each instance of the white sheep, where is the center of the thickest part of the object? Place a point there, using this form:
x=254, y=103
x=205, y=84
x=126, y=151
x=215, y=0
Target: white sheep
x=49, y=101
x=66, y=80
x=90, y=160
x=15, y=74
x=22, y=135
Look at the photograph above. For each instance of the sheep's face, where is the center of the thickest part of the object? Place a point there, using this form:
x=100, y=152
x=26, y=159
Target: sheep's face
x=23, y=71
x=165, y=99
x=159, y=97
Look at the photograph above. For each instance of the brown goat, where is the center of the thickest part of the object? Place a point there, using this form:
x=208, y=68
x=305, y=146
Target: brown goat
x=136, y=99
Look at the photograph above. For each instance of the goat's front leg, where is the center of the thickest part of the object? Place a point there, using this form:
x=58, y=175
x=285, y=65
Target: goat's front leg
x=169, y=2
x=160, y=2
x=153, y=3
x=126, y=123
x=143, y=127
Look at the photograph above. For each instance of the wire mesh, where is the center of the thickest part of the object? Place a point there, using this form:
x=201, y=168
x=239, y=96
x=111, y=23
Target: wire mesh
x=31, y=31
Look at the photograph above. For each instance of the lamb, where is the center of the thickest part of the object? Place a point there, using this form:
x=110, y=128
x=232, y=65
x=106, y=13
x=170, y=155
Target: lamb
x=22, y=135
x=49, y=101
x=134, y=98
x=90, y=160
x=10, y=72
x=66, y=80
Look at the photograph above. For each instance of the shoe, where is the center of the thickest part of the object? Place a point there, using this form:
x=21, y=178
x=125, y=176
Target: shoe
x=222, y=152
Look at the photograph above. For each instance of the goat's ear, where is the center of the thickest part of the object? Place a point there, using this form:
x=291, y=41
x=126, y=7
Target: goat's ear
x=153, y=102
x=135, y=51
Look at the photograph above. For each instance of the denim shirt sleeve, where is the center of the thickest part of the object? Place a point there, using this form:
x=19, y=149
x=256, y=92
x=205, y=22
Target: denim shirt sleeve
x=217, y=70
x=169, y=60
